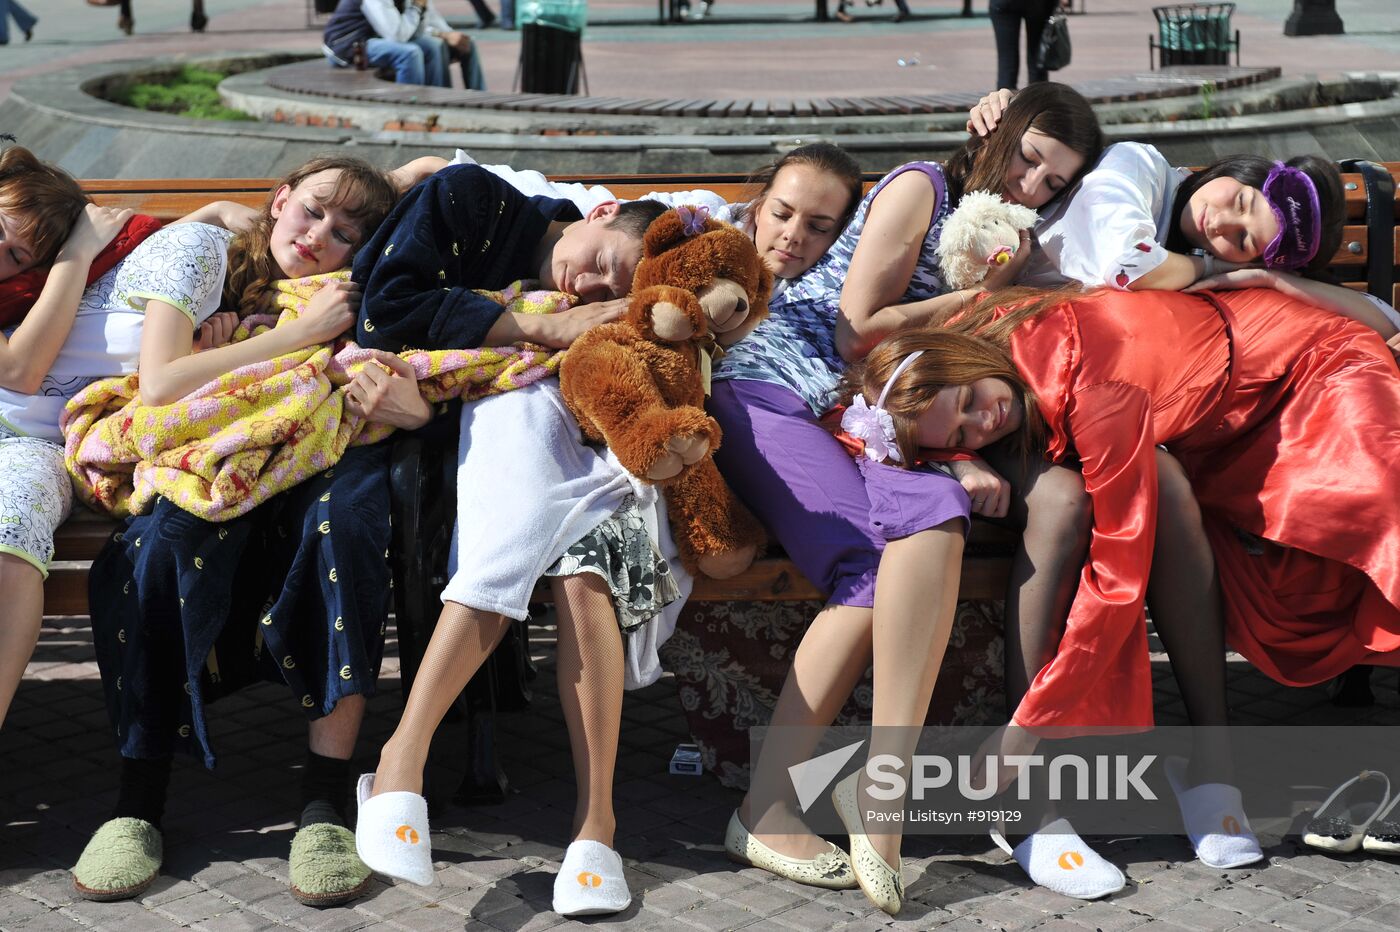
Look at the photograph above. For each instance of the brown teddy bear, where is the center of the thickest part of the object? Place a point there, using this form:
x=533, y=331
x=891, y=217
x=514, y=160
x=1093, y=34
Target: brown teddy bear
x=639, y=384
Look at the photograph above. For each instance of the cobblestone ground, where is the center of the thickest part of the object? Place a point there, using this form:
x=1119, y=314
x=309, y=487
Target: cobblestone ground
x=745, y=49
x=227, y=833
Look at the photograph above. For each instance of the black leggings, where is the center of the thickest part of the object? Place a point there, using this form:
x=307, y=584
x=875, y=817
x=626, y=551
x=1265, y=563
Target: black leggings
x=1007, y=16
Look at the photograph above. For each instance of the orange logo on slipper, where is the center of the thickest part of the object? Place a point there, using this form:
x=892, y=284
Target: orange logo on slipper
x=1071, y=859
x=407, y=834
x=589, y=879
x=1231, y=825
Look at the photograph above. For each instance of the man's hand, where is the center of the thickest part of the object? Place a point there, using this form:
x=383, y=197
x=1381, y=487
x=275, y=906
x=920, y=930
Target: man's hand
x=990, y=493
x=386, y=391
x=215, y=331
x=567, y=326
x=984, y=116
x=556, y=331
x=457, y=42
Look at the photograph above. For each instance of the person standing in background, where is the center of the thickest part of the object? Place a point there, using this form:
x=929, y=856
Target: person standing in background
x=483, y=13
x=1007, y=16
x=24, y=19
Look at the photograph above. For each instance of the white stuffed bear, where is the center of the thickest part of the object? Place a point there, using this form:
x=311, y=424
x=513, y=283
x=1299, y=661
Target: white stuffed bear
x=981, y=234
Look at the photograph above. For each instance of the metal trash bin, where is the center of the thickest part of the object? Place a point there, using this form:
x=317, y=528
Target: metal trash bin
x=1193, y=34
x=551, y=46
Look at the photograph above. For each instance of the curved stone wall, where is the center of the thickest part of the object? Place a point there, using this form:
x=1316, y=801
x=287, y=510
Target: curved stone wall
x=60, y=117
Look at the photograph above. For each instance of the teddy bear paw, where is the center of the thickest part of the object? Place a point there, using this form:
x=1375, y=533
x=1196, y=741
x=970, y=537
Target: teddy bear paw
x=671, y=323
x=681, y=451
x=727, y=564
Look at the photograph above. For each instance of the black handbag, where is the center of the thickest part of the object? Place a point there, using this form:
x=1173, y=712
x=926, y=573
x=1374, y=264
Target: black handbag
x=1054, y=52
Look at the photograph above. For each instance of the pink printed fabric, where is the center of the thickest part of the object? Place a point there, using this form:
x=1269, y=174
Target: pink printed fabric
x=263, y=428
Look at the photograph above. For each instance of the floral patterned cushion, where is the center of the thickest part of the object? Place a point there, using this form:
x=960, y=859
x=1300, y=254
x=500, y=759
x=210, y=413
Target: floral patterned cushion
x=730, y=658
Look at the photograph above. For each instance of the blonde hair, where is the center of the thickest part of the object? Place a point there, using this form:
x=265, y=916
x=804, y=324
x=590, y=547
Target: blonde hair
x=43, y=202
x=366, y=194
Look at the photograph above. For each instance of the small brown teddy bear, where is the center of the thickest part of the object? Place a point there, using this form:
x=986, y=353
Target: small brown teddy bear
x=639, y=384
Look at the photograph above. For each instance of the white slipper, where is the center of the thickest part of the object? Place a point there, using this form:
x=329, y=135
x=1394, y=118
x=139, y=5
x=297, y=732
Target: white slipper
x=590, y=881
x=1341, y=823
x=391, y=833
x=1058, y=859
x=1213, y=814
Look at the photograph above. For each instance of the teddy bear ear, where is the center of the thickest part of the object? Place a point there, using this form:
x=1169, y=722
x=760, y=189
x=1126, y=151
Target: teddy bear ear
x=664, y=233
x=674, y=227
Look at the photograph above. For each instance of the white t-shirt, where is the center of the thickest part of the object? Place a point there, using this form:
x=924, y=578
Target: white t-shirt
x=1110, y=229
x=183, y=265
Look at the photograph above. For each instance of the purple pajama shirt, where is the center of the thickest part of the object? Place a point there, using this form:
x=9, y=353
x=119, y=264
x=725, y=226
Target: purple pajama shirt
x=833, y=513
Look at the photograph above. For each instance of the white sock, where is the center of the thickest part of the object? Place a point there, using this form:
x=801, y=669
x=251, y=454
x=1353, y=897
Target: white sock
x=1213, y=814
x=590, y=881
x=1058, y=859
x=391, y=834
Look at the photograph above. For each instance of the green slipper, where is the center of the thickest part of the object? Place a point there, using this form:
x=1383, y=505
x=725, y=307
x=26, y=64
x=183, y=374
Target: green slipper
x=120, y=861
x=325, y=870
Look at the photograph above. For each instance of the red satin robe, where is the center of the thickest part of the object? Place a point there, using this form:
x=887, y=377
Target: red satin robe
x=1287, y=420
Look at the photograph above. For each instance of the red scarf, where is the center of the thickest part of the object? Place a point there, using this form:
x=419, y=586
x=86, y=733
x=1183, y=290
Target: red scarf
x=18, y=294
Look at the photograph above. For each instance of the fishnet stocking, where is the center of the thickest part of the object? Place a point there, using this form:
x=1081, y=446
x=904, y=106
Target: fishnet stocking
x=590, y=675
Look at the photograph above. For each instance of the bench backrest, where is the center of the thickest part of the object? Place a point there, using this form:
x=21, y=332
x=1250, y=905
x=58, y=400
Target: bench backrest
x=1369, y=255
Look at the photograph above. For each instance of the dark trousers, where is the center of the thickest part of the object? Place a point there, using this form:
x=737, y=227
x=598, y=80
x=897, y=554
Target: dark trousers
x=1007, y=16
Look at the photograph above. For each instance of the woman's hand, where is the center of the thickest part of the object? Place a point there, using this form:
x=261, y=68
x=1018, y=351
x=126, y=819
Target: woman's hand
x=1004, y=276
x=386, y=391
x=96, y=227
x=330, y=312
x=410, y=173
x=984, y=116
x=215, y=331
x=990, y=493
x=1239, y=276
x=1394, y=344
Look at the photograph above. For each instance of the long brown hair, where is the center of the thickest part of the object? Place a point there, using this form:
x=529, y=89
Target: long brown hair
x=42, y=201
x=949, y=358
x=1057, y=110
x=824, y=157
x=362, y=190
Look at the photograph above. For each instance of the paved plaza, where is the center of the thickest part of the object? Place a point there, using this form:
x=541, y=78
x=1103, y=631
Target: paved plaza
x=748, y=48
x=227, y=832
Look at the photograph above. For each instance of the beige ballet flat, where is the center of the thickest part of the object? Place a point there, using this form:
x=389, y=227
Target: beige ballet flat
x=881, y=882
x=830, y=869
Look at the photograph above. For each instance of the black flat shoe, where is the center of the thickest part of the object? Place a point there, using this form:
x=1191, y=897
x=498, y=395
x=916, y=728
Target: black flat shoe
x=198, y=21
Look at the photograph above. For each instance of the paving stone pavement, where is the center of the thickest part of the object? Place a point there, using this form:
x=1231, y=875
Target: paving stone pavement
x=745, y=49
x=227, y=832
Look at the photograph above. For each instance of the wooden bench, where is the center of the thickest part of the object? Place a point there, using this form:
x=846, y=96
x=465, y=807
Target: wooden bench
x=1369, y=259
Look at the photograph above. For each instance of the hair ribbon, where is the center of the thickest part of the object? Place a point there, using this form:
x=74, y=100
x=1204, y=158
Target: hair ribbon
x=873, y=425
